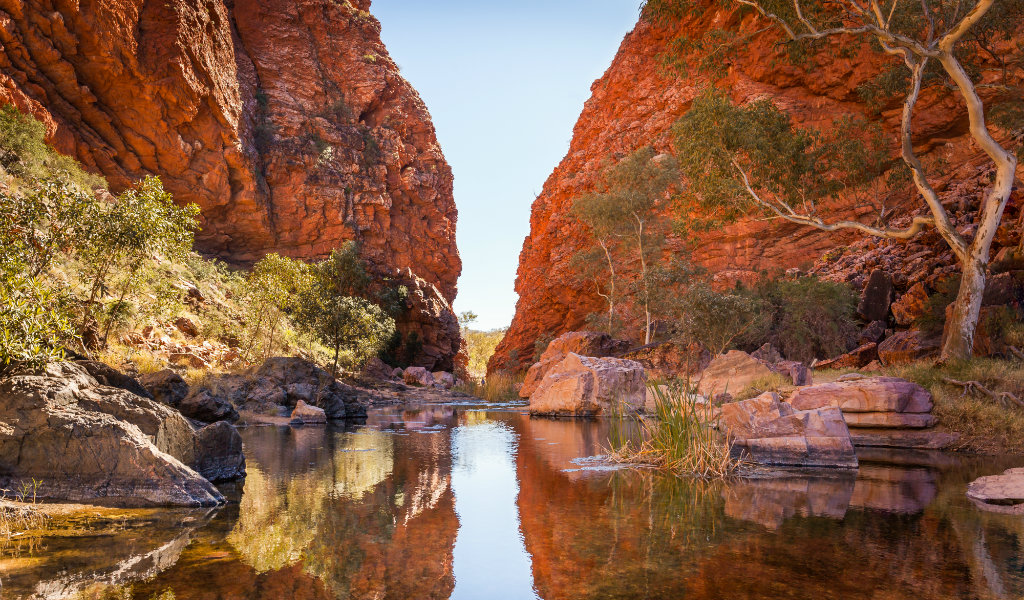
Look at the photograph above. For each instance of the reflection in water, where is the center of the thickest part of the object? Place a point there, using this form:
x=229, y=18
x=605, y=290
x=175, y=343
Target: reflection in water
x=440, y=502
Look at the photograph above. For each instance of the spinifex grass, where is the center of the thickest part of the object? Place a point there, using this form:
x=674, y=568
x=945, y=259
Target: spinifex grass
x=678, y=437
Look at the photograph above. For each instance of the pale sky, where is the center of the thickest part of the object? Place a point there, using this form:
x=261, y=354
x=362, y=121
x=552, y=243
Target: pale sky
x=505, y=83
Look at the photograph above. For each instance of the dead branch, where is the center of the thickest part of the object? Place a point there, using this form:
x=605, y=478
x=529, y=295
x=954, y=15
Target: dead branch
x=1004, y=398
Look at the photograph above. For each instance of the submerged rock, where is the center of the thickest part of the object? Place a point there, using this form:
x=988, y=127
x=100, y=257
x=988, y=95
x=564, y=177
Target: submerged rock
x=588, y=386
x=771, y=432
x=305, y=414
x=91, y=443
x=999, y=493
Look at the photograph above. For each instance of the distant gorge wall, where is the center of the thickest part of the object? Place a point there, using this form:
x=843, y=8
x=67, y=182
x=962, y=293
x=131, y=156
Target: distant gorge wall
x=636, y=102
x=286, y=121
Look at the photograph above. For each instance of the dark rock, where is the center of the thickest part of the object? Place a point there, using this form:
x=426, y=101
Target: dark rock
x=857, y=358
x=186, y=326
x=767, y=353
x=92, y=443
x=1004, y=288
x=873, y=333
x=165, y=386
x=669, y=360
x=218, y=452
x=905, y=347
x=338, y=400
x=876, y=297
x=377, y=370
x=109, y=376
x=206, y=406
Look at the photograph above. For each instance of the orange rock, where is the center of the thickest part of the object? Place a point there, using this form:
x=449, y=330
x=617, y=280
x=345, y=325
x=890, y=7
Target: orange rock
x=911, y=305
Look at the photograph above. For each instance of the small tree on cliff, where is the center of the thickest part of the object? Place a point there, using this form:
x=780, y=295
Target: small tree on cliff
x=756, y=153
x=624, y=214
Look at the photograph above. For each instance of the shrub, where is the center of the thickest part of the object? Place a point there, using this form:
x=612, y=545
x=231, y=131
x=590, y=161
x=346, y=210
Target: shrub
x=806, y=318
x=716, y=320
x=33, y=323
x=343, y=323
x=271, y=292
x=25, y=154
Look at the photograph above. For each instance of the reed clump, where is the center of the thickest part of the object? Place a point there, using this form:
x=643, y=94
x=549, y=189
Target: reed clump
x=680, y=436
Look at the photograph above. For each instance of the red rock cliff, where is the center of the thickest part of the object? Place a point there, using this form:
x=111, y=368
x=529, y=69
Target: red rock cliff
x=634, y=104
x=285, y=120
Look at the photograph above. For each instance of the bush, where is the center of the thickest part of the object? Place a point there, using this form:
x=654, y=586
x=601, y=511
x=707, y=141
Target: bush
x=354, y=326
x=271, y=294
x=805, y=318
x=33, y=323
x=716, y=320
x=25, y=154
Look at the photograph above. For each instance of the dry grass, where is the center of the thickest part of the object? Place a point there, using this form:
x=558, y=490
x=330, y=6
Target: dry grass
x=768, y=383
x=680, y=438
x=499, y=387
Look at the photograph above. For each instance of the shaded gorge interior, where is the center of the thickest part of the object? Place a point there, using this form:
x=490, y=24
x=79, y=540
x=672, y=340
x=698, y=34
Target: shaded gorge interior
x=448, y=501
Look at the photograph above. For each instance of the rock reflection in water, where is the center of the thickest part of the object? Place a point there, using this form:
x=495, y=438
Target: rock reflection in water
x=442, y=502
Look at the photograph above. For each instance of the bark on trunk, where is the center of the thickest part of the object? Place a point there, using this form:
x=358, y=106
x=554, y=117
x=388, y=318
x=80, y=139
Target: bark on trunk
x=959, y=333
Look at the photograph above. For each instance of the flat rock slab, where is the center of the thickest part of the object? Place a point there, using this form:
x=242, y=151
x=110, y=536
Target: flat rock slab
x=865, y=395
x=999, y=493
x=890, y=420
x=896, y=438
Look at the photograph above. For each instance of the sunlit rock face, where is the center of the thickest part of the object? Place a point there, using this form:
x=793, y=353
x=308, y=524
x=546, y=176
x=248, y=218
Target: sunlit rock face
x=286, y=121
x=635, y=104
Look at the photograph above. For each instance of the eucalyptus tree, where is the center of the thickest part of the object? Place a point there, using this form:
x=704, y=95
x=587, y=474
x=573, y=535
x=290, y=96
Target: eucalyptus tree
x=938, y=43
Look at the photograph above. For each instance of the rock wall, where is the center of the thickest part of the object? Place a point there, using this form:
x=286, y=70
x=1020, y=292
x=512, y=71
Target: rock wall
x=286, y=121
x=636, y=102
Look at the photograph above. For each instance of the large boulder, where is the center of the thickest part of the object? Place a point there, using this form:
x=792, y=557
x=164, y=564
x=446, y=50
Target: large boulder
x=218, y=452
x=418, y=376
x=911, y=306
x=589, y=386
x=865, y=394
x=444, y=379
x=732, y=372
x=277, y=374
x=876, y=297
x=857, y=358
x=305, y=414
x=165, y=386
x=770, y=432
x=206, y=406
x=377, y=370
x=906, y=347
x=583, y=343
x=999, y=493
x=668, y=360
x=91, y=443
x=111, y=377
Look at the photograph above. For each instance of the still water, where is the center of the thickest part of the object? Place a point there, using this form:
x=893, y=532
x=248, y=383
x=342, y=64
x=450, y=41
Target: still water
x=481, y=503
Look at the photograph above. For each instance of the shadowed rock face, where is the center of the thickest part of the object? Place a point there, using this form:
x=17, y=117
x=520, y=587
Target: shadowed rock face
x=285, y=121
x=635, y=104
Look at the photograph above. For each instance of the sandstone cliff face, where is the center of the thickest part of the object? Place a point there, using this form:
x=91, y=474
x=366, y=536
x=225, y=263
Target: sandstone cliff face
x=635, y=103
x=285, y=120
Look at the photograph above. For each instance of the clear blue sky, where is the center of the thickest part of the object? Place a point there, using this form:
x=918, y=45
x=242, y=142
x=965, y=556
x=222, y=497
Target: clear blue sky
x=505, y=83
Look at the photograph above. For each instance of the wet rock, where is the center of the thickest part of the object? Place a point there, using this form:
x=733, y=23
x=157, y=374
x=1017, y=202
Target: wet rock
x=999, y=493
x=905, y=347
x=88, y=442
x=589, y=386
x=865, y=395
x=218, y=452
x=896, y=438
x=583, y=343
x=876, y=297
x=166, y=387
x=733, y=371
x=109, y=376
x=771, y=432
x=206, y=406
x=911, y=305
x=305, y=414
x=418, y=376
x=854, y=359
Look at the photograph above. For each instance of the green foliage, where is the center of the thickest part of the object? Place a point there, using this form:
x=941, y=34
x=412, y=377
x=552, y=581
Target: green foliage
x=47, y=219
x=480, y=346
x=34, y=322
x=716, y=320
x=805, y=318
x=270, y=294
x=24, y=152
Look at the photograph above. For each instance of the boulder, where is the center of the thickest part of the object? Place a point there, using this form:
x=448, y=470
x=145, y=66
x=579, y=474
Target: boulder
x=770, y=432
x=906, y=347
x=876, y=297
x=795, y=371
x=890, y=420
x=669, y=360
x=218, y=452
x=397, y=373
x=999, y=493
x=418, y=376
x=1004, y=288
x=274, y=377
x=732, y=372
x=911, y=305
x=305, y=414
x=444, y=379
x=377, y=370
x=166, y=387
x=188, y=359
x=583, y=343
x=865, y=395
x=186, y=326
x=109, y=376
x=854, y=359
x=92, y=443
x=206, y=406
x=589, y=386
x=872, y=333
